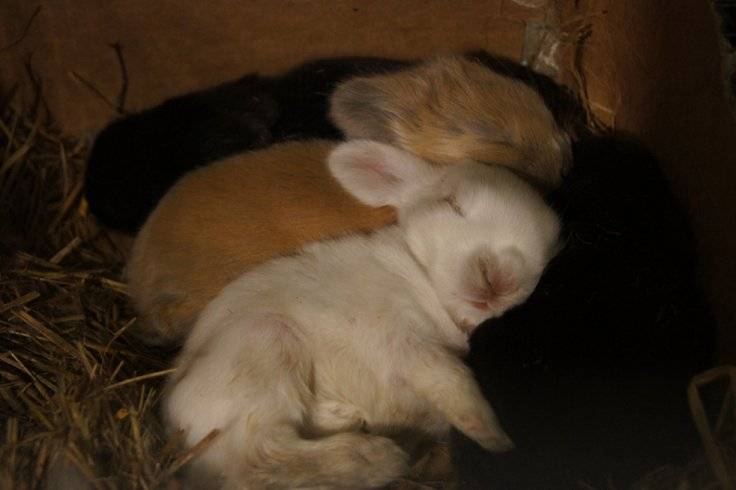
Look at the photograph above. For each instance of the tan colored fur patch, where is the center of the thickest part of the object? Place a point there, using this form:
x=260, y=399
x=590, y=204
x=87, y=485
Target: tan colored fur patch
x=218, y=221
x=450, y=110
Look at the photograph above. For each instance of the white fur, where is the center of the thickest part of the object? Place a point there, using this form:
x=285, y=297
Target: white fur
x=307, y=363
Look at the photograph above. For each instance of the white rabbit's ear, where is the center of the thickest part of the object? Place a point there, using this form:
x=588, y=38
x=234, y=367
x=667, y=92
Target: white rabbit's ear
x=380, y=175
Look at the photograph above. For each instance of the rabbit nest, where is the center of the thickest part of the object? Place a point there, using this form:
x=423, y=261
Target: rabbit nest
x=78, y=394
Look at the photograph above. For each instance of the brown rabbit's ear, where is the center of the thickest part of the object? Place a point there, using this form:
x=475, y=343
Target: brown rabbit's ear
x=359, y=108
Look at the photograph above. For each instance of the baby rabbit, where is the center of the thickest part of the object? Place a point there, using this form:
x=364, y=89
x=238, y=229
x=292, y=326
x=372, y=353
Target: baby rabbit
x=137, y=158
x=447, y=109
x=219, y=221
x=589, y=376
x=308, y=364
x=450, y=110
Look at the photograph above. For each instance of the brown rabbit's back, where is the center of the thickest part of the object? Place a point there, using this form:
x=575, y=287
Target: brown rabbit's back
x=218, y=221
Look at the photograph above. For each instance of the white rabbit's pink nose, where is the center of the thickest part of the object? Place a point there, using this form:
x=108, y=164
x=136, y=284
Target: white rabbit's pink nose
x=500, y=274
x=497, y=280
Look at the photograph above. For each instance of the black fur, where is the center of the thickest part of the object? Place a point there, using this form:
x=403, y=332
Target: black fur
x=136, y=159
x=589, y=376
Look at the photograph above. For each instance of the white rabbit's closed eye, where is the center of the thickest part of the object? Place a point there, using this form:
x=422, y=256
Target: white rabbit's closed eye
x=454, y=205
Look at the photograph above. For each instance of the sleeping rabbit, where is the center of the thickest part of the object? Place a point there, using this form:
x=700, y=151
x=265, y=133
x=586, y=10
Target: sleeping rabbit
x=312, y=365
x=218, y=221
x=447, y=109
x=137, y=158
x=589, y=376
x=450, y=110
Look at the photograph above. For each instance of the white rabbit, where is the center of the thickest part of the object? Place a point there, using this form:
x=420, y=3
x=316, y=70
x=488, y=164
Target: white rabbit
x=307, y=363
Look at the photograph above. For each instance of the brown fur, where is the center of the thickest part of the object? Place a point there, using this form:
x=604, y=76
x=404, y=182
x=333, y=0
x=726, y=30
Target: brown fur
x=452, y=109
x=219, y=220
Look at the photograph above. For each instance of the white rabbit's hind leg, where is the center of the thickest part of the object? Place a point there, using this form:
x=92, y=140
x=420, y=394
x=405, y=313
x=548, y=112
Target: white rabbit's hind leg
x=284, y=459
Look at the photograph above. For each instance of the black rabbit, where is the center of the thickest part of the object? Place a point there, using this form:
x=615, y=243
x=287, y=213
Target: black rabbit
x=136, y=159
x=589, y=376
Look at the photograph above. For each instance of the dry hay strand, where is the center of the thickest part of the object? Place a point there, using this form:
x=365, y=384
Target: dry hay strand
x=77, y=395
x=718, y=437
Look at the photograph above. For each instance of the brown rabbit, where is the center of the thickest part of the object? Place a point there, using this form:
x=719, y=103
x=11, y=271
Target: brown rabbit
x=452, y=109
x=219, y=220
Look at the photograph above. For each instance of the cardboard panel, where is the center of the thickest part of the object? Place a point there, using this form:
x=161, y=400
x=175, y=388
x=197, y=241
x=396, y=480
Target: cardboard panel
x=174, y=47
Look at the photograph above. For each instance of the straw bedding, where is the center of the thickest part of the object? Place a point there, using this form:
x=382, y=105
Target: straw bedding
x=76, y=391
x=78, y=395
